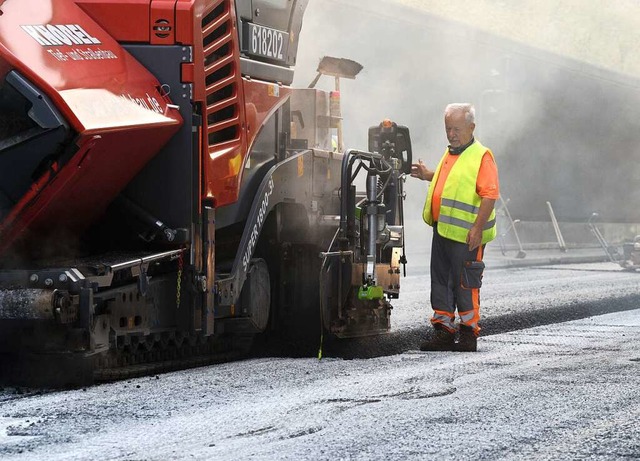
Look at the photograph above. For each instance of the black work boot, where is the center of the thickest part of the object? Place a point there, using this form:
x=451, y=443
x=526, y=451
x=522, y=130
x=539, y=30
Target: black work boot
x=468, y=341
x=441, y=341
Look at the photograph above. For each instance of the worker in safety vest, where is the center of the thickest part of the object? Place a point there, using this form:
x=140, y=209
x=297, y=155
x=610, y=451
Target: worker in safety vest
x=460, y=208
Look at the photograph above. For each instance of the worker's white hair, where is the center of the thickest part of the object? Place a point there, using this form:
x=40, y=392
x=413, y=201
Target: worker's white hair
x=468, y=109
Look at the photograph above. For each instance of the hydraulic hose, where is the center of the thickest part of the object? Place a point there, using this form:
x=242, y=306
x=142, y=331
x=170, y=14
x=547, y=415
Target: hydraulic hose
x=350, y=156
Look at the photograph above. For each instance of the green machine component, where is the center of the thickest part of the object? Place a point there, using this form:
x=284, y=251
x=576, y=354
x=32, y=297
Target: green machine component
x=370, y=293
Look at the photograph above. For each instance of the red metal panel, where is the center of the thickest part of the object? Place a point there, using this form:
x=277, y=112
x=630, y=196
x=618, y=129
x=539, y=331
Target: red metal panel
x=188, y=15
x=234, y=109
x=264, y=99
x=187, y=72
x=224, y=165
x=163, y=22
x=105, y=95
x=125, y=20
x=95, y=83
x=80, y=192
x=217, y=74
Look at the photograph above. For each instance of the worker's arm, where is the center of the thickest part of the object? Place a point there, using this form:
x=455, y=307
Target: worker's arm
x=474, y=238
x=419, y=170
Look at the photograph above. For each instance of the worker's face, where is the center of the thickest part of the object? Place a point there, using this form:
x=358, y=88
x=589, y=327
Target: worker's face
x=459, y=131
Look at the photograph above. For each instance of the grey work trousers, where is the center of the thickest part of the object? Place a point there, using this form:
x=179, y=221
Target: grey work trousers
x=456, y=277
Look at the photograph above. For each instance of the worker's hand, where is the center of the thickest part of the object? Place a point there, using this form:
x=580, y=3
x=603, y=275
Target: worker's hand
x=474, y=238
x=419, y=170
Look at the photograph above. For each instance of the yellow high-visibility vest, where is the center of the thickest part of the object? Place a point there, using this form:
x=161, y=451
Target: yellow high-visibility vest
x=460, y=202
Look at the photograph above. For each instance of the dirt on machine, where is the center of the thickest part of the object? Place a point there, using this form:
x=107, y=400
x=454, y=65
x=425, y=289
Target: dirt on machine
x=166, y=194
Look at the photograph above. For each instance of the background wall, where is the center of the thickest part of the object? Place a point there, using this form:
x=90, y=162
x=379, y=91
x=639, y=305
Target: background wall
x=599, y=32
x=563, y=125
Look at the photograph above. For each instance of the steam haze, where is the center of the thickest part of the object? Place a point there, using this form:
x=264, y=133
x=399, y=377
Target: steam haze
x=562, y=130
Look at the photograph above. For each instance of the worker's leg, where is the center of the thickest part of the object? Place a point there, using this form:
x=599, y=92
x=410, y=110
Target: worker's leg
x=467, y=270
x=442, y=284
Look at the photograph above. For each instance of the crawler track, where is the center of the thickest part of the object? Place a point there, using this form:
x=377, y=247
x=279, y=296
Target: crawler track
x=68, y=370
x=194, y=352
x=74, y=370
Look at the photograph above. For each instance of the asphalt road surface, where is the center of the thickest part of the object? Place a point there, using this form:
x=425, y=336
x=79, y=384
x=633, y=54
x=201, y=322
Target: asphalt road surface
x=559, y=390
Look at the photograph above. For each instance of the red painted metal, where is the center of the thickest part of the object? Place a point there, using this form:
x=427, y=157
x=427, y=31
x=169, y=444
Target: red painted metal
x=218, y=78
x=232, y=118
x=110, y=100
x=116, y=107
x=265, y=98
x=127, y=20
x=162, y=22
x=133, y=20
x=90, y=84
x=79, y=193
x=189, y=15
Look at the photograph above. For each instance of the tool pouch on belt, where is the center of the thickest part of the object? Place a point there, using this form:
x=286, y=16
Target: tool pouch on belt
x=472, y=274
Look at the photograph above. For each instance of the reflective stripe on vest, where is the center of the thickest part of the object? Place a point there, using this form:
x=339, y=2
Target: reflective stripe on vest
x=460, y=203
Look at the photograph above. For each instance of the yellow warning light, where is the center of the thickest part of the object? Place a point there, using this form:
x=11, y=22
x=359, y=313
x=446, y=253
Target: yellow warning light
x=386, y=123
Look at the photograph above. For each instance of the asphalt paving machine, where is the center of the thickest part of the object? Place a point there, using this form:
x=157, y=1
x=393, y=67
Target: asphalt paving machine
x=165, y=194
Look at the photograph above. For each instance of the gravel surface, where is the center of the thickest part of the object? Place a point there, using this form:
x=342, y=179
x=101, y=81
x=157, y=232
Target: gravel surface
x=511, y=299
x=526, y=289
x=561, y=391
